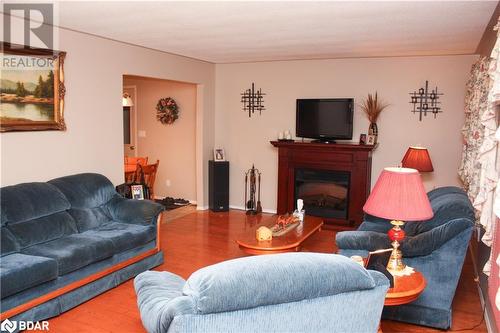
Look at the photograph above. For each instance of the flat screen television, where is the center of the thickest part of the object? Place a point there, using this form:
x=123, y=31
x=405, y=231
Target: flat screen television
x=325, y=119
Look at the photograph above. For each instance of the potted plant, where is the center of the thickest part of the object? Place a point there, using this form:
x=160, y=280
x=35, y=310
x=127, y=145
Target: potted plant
x=373, y=107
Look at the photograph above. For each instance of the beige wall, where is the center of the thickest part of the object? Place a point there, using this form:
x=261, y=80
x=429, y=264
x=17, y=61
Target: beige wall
x=174, y=145
x=93, y=141
x=246, y=140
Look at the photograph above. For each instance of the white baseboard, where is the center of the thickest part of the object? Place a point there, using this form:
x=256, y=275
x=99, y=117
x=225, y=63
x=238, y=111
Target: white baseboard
x=201, y=207
x=264, y=210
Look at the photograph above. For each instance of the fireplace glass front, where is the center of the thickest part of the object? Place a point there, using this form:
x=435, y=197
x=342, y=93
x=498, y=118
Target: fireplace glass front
x=325, y=192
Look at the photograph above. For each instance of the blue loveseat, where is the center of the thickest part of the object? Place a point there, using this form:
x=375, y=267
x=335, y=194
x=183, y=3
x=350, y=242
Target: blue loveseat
x=436, y=248
x=57, y=234
x=292, y=292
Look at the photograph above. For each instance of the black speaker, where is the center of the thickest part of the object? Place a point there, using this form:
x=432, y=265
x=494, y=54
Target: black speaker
x=218, y=186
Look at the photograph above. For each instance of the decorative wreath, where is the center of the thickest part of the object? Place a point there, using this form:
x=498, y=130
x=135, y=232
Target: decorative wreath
x=167, y=110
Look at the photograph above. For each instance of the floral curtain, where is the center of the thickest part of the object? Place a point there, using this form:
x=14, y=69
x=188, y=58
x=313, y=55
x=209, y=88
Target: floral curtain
x=490, y=149
x=487, y=154
x=494, y=279
x=476, y=101
x=479, y=169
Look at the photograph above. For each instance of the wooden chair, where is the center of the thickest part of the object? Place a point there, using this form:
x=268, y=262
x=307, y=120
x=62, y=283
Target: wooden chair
x=131, y=166
x=135, y=160
x=149, y=171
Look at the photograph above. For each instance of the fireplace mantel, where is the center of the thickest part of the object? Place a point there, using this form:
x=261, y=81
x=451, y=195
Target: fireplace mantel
x=350, y=157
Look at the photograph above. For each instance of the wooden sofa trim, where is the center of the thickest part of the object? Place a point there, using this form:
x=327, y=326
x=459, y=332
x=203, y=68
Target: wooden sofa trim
x=91, y=278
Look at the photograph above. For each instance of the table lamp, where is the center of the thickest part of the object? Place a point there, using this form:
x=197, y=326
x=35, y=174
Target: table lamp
x=418, y=158
x=398, y=195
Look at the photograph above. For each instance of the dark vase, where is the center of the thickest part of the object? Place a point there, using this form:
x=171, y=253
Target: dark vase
x=373, y=130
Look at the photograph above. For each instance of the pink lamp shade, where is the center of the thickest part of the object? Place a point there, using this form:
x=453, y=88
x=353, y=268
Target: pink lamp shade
x=418, y=158
x=399, y=194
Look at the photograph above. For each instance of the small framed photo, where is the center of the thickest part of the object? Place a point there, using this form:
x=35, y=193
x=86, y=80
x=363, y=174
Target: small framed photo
x=219, y=155
x=378, y=260
x=137, y=192
x=370, y=140
x=362, y=139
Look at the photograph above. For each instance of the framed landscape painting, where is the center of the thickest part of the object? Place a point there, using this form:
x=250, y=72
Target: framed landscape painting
x=31, y=89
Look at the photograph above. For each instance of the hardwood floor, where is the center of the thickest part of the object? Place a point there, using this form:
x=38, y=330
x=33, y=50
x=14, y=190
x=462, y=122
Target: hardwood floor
x=203, y=238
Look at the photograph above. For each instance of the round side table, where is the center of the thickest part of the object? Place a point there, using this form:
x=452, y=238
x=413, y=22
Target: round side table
x=406, y=289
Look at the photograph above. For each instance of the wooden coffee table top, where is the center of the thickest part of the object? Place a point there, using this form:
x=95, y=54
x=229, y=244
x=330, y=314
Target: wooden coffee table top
x=288, y=242
x=406, y=289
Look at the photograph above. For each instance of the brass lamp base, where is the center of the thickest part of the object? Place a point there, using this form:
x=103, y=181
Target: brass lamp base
x=396, y=234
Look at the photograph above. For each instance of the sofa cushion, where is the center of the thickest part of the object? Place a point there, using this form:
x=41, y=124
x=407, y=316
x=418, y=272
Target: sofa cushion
x=439, y=191
x=88, y=194
x=447, y=206
x=74, y=251
x=30, y=201
x=8, y=242
x=43, y=229
x=249, y=282
x=123, y=235
x=85, y=190
x=19, y=272
x=90, y=218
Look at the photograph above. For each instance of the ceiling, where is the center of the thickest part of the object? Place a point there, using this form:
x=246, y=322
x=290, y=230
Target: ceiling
x=226, y=32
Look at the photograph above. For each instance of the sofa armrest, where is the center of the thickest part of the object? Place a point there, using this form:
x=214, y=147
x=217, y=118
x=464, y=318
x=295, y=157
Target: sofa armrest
x=425, y=243
x=160, y=299
x=135, y=211
x=362, y=240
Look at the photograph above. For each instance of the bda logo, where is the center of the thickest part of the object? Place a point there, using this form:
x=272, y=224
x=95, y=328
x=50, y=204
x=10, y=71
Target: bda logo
x=9, y=326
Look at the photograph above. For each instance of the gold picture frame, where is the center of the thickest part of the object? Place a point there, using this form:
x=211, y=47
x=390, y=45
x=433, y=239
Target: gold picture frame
x=28, y=103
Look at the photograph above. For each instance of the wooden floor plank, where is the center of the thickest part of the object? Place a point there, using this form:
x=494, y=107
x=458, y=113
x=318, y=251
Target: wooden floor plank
x=202, y=238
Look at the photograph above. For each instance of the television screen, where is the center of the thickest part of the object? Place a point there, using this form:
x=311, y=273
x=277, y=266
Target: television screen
x=325, y=119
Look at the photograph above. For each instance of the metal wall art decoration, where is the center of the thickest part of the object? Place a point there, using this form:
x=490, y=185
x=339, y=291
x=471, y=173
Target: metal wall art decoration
x=424, y=101
x=253, y=100
x=252, y=205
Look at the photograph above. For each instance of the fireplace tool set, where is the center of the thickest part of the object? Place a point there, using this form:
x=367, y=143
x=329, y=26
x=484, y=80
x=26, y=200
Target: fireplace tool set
x=252, y=207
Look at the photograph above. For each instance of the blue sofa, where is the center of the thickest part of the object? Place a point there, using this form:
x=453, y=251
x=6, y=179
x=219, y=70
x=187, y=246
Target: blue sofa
x=436, y=248
x=292, y=292
x=56, y=234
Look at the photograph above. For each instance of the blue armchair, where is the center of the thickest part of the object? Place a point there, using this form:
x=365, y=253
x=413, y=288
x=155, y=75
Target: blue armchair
x=436, y=248
x=292, y=292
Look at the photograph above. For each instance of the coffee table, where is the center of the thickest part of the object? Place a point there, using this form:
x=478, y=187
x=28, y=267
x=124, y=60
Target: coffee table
x=289, y=242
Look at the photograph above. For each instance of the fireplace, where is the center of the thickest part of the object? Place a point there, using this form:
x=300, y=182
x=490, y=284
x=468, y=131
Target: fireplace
x=333, y=179
x=325, y=192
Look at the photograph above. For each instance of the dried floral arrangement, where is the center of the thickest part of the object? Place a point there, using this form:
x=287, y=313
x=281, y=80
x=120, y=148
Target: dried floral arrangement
x=373, y=107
